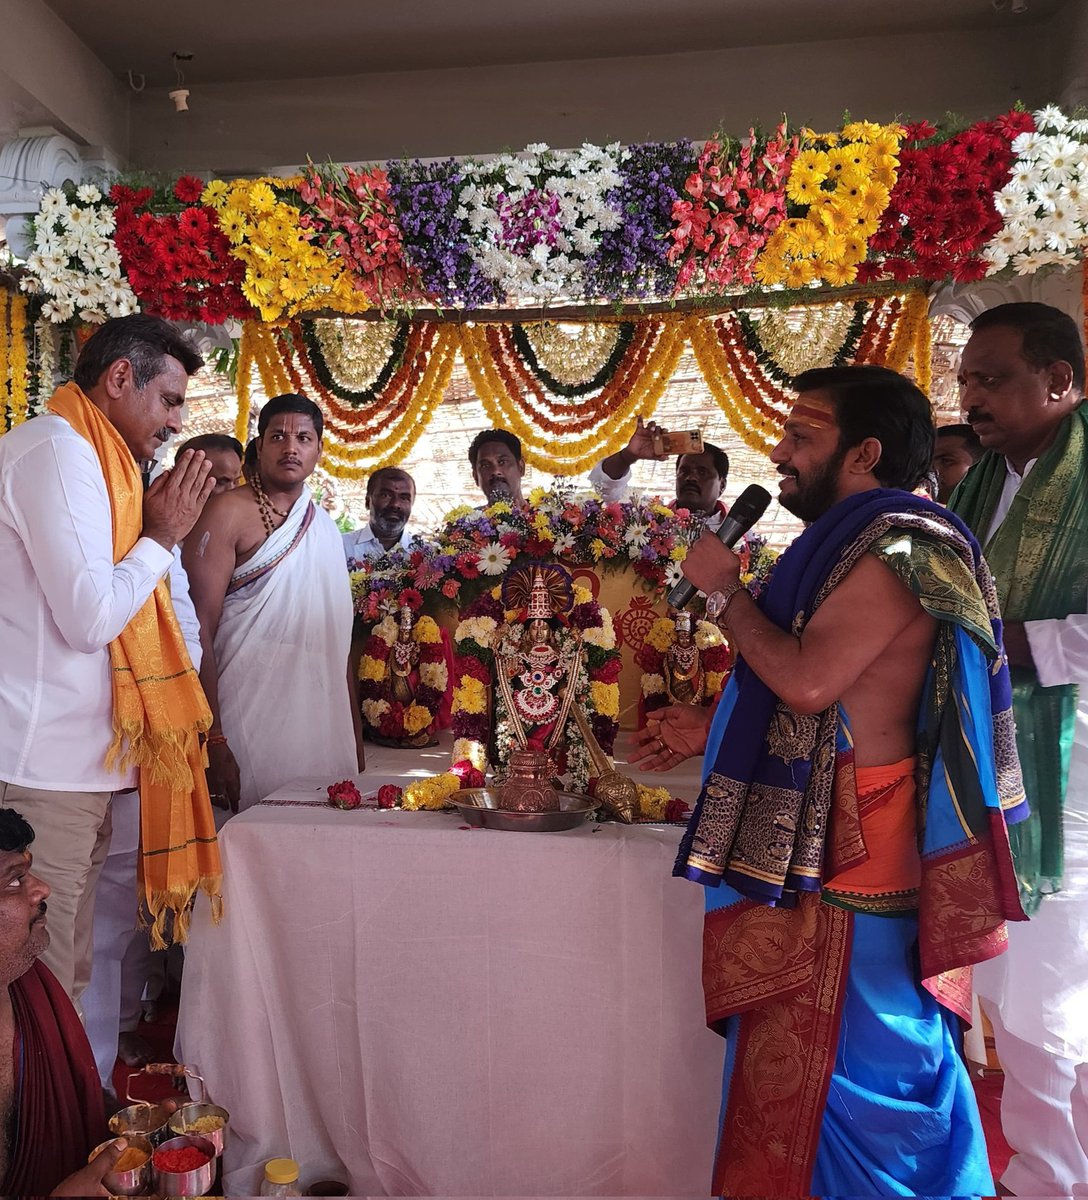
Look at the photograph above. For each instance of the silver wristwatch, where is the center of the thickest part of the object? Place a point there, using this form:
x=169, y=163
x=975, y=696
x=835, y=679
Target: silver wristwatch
x=718, y=602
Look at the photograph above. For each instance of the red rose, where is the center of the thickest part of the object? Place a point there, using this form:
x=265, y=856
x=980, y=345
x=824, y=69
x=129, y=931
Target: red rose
x=609, y=672
x=344, y=795
x=470, y=776
x=389, y=795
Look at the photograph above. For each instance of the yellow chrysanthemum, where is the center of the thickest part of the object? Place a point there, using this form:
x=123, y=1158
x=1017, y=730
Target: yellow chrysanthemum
x=470, y=695
x=606, y=698
x=431, y=794
x=715, y=681
x=416, y=718
x=661, y=634
x=371, y=668
x=427, y=631
x=597, y=548
x=652, y=802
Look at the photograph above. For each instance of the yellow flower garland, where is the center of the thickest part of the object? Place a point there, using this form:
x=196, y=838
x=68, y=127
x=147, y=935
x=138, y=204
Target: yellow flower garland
x=571, y=458
x=17, y=361
x=5, y=335
x=344, y=461
x=431, y=794
x=244, y=381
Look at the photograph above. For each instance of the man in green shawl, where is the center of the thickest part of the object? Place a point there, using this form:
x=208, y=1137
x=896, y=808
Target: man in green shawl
x=1022, y=385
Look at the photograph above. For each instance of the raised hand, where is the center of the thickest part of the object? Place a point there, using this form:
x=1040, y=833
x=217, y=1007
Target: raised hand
x=175, y=500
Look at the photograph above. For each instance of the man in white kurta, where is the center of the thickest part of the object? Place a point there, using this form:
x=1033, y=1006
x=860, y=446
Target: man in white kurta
x=266, y=572
x=64, y=599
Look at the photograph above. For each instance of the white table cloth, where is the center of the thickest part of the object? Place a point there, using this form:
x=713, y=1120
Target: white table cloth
x=420, y=1008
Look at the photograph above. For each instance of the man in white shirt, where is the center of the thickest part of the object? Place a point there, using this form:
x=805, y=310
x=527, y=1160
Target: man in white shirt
x=700, y=478
x=64, y=599
x=1022, y=379
x=390, y=494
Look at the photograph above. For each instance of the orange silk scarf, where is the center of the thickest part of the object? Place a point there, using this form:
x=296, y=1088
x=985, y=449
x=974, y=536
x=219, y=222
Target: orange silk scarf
x=159, y=709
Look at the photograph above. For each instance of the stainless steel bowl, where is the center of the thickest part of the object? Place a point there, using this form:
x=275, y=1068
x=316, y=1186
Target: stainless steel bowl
x=136, y=1182
x=142, y=1118
x=188, y=1113
x=480, y=806
x=185, y=1183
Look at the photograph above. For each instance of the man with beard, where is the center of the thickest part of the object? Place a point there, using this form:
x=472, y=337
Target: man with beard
x=266, y=572
x=390, y=494
x=498, y=465
x=1022, y=387
x=700, y=478
x=859, y=773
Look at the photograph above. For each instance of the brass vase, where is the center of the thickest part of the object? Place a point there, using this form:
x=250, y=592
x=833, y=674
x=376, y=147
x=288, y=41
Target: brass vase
x=528, y=785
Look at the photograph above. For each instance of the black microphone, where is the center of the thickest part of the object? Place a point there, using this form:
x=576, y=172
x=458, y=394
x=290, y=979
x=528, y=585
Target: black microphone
x=750, y=506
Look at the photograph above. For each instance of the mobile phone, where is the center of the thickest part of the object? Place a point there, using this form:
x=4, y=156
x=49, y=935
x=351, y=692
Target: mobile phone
x=680, y=441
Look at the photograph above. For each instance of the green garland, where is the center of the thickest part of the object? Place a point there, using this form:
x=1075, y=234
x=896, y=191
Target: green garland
x=843, y=355
x=367, y=396
x=568, y=390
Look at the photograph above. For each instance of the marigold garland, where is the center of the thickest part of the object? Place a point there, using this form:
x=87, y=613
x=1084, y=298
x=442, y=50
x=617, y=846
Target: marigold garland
x=17, y=362
x=244, y=382
x=638, y=395
x=5, y=341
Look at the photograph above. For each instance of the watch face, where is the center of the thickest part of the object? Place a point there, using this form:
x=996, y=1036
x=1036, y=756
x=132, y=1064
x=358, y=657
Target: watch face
x=715, y=602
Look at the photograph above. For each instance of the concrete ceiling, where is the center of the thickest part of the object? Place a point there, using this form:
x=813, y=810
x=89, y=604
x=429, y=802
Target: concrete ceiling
x=250, y=40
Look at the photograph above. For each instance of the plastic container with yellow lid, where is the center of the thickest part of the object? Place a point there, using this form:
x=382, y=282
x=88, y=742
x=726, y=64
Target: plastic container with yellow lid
x=280, y=1178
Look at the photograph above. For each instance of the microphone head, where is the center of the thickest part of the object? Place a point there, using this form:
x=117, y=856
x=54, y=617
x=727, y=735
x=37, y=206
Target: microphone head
x=749, y=506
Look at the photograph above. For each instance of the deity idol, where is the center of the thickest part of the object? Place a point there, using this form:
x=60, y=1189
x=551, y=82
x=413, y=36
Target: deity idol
x=685, y=679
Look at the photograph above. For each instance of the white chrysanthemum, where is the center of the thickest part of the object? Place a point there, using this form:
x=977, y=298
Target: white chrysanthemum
x=652, y=684
x=386, y=629
x=434, y=675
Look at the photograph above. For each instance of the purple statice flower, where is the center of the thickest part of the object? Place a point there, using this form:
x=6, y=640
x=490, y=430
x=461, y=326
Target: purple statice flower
x=425, y=196
x=631, y=260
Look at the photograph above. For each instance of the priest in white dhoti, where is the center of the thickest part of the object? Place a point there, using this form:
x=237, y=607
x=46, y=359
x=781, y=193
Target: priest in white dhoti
x=266, y=573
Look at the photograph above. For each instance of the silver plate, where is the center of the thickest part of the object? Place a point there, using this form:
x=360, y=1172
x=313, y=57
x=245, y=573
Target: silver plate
x=479, y=806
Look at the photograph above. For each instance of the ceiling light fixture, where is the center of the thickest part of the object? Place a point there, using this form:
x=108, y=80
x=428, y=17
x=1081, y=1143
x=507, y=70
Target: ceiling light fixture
x=180, y=94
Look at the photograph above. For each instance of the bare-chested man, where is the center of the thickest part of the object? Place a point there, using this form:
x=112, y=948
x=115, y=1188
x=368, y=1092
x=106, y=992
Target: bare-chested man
x=51, y=1114
x=266, y=572
x=850, y=830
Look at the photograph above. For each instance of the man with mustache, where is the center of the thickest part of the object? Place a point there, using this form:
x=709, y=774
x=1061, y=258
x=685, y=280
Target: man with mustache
x=858, y=776
x=97, y=693
x=700, y=478
x=390, y=494
x=498, y=465
x=266, y=574
x=50, y=1098
x=1022, y=380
